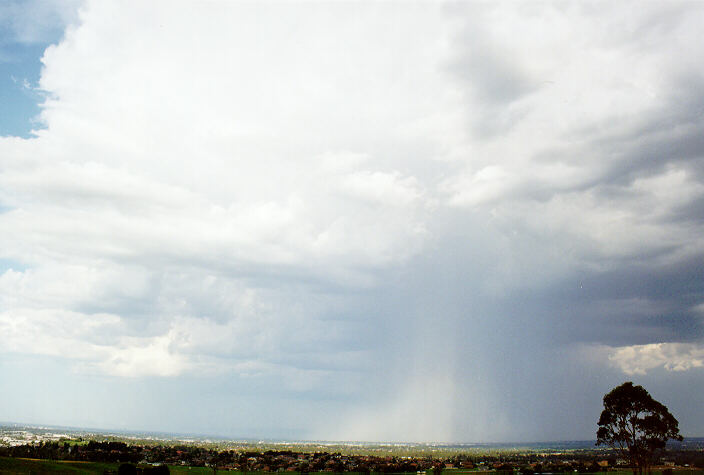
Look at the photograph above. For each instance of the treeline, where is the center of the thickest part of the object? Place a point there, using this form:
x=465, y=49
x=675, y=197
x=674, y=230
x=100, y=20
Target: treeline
x=92, y=451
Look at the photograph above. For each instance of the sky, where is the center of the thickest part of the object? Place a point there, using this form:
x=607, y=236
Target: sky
x=381, y=221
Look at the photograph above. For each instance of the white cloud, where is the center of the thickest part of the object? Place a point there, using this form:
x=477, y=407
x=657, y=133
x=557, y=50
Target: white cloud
x=183, y=189
x=137, y=357
x=639, y=359
x=92, y=341
x=383, y=188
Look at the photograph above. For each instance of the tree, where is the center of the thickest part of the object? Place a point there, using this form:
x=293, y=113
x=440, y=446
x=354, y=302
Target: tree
x=635, y=424
x=127, y=469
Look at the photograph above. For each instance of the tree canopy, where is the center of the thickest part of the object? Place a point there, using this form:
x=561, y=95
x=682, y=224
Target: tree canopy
x=636, y=424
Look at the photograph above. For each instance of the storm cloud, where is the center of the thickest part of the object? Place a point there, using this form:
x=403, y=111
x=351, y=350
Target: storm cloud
x=433, y=221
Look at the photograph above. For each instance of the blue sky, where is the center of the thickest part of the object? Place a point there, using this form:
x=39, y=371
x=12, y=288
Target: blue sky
x=426, y=222
x=26, y=29
x=20, y=72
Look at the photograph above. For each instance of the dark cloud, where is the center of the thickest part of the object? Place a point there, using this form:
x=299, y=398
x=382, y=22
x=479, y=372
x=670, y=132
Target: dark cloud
x=496, y=82
x=668, y=135
x=492, y=77
x=630, y=305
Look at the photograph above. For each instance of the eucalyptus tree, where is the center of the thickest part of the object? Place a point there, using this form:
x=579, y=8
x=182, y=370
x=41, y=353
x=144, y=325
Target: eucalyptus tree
x=636, y=424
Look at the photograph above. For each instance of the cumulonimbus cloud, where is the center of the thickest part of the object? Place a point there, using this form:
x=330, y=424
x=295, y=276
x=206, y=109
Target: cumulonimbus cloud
x=272, y=190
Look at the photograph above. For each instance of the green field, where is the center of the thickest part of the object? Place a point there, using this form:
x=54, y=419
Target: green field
x=15, y=465
x=193, y=470
x=33, y=466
